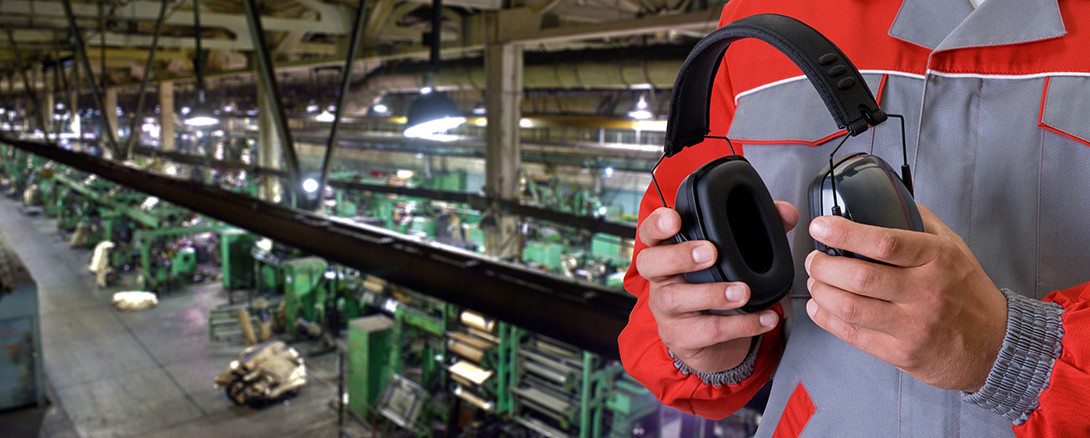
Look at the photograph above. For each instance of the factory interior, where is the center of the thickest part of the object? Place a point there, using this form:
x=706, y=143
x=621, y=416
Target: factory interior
x=330, y=218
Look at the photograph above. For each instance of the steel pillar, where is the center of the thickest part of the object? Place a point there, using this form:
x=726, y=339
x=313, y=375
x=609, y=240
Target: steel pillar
x=109, y=132
x=269, y=148
x=342, y=97
x=109, y=114
x=503, y=69
x=267, y=83
x=166, y=116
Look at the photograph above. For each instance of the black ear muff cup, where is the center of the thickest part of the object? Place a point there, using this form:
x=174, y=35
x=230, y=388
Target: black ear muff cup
x=748, y=232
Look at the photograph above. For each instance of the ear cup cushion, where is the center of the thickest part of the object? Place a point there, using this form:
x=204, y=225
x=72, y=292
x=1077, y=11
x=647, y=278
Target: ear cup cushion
x=727, y=203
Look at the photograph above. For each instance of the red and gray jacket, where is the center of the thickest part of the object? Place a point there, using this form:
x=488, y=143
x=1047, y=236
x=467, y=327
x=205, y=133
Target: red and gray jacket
x=996, y=103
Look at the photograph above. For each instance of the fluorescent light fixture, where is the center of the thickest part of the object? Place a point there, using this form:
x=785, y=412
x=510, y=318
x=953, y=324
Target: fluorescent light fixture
x=405, y=174
x=201, y=116
x=201, y=121
x=427, y=89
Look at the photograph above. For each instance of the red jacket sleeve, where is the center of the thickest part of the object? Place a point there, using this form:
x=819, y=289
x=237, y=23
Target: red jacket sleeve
x=643, y=354
x=1065, y=402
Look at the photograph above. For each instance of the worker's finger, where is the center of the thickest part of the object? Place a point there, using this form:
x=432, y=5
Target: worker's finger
x=857, y=276
x=661, y=263
x=789, y=215
x=858, y=310
x=683, y=298
x=709, y=330
x=659, y=226
x=894, y=246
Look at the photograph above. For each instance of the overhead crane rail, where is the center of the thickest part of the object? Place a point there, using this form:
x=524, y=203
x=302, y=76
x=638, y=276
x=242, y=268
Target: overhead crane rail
x=586, y=315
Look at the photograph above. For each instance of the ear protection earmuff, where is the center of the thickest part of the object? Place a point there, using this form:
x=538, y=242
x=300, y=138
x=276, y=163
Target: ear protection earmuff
x=725, y=201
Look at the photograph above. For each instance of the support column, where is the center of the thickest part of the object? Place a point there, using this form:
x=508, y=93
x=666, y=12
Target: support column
x=48, y=101
x=109, y=111
x=503, y=70
x=268, y=145
x=166, y=116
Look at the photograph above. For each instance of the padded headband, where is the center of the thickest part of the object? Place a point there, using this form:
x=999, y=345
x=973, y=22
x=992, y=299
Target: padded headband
x=837, y=81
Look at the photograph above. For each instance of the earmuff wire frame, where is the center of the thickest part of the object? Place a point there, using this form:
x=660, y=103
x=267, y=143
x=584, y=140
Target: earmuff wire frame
x=663, y=157
x=906, y=174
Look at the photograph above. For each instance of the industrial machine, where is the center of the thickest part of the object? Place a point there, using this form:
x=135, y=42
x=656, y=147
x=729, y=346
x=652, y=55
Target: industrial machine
x=21, y=379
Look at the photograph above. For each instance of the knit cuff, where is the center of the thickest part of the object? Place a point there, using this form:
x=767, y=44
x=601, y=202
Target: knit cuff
x=729, y=377
x=1030, y=347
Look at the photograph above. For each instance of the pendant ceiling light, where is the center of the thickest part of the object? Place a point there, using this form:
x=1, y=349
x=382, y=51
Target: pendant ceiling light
x=201, y=114
x=432, y=112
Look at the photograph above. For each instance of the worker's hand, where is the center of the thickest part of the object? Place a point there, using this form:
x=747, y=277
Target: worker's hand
x=934, y=314
x=703, y=341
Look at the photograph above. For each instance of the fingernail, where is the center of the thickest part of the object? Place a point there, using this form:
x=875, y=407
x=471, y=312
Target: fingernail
x=735, y=292
x=809, y=258
x=663, y=224
x=768, y=319
x=702, y=254
x=810, y=284
x=811, y=308
x=819, y=228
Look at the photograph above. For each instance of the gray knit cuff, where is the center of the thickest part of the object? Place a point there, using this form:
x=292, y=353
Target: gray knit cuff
x=729, y=377
x=1030, y=347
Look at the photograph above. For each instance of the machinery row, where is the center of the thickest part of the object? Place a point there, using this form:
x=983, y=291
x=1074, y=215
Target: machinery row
x=412, y=363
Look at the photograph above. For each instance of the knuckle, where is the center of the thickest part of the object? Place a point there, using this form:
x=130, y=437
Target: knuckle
x=850, y=334
x=903, y=357
x=848, y=310
x=666, y=300
x=886, y=245
x=864, y=279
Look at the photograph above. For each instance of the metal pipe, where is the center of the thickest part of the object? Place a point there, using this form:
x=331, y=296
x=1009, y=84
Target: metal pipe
x=81, y=51
x=346, y=82
x=147, y=75
x=268, y=80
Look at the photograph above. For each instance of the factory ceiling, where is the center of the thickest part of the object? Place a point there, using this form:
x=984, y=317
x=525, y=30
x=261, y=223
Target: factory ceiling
x=305, y=35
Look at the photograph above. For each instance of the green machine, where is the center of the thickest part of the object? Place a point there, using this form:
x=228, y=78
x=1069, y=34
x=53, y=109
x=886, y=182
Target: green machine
x=236, y=259
x=305, y=291
x=368, y=365
x=168, y=266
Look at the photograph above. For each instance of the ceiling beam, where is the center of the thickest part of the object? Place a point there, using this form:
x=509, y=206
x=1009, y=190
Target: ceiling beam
x=516, y=31
x=330, y=20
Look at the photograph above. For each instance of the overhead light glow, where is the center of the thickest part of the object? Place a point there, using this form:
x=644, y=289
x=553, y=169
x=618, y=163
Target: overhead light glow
x=310, y=185
x=405, y=174
x=312, y=107
x=186, y=110
x=201, y=121
x=325, y=117
x=427, y=89
x=434, y=127
x=641, y=112
x=432, y=114
x=381, y=108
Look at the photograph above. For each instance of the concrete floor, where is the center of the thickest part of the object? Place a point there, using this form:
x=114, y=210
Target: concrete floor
x=146, y=373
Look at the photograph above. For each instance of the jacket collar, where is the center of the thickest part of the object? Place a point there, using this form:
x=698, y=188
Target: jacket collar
x=953, y=24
